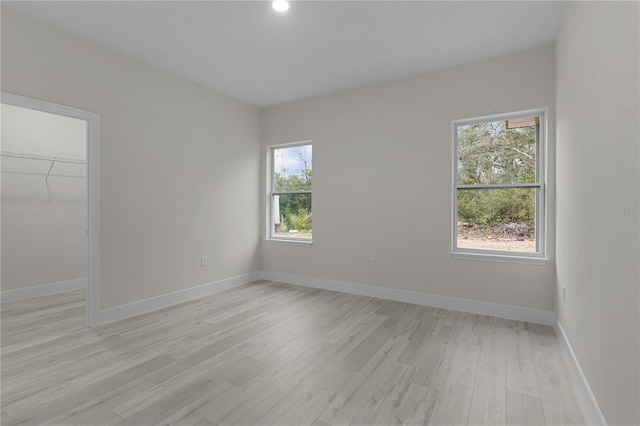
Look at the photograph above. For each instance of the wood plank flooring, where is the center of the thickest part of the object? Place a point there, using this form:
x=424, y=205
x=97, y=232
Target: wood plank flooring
x=275, y=354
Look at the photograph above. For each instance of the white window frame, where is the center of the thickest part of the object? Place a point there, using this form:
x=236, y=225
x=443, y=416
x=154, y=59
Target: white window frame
x=540, y=256
x=270, y=223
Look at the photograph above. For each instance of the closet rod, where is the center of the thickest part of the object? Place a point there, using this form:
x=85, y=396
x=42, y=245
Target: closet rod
x=41, y=157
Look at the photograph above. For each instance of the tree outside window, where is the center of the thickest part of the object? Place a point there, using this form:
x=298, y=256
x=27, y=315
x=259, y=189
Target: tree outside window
x=291, y=192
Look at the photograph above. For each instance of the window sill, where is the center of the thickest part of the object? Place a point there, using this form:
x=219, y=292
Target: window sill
x=287, y=241
x=505, y=258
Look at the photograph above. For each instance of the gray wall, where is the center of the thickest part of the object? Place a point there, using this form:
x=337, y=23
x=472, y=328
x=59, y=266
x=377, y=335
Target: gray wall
x=382, y=180
x=598, y=180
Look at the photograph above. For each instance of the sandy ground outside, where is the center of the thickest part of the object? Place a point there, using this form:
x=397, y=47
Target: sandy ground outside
x=502, y=245
x=297, y=235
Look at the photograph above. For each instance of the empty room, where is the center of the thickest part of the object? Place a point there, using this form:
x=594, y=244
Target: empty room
x=320, y=213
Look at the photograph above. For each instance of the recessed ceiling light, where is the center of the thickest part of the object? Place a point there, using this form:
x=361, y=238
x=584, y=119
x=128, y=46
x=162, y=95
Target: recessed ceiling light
x=280, y=5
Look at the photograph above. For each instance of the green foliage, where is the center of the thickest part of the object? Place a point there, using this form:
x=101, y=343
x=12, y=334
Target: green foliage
x=298, y=182
x=300, y=221
x=295, y=208
x=489, y=153
x=492, y=207
x=295, y=204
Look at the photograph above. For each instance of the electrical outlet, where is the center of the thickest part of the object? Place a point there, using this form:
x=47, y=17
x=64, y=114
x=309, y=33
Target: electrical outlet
x=203, y=261
x=372, y=262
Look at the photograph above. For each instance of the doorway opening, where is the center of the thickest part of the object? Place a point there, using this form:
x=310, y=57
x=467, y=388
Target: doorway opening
x=51, y=197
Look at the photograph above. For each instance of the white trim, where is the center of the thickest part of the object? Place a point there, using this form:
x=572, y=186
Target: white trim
x=501, y=116
x=584, y=390
x=537, y=185
x=165, y=300
x=290, y=144
x=517, y=313
x=93, y=190
x=42, y=290
x=491, y=256
x=290, y=241
x=93, y=225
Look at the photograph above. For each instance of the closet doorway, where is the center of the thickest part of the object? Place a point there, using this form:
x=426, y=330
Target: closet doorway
x=50, y=201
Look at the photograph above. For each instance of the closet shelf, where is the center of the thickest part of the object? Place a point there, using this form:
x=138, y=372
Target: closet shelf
x=42, y=165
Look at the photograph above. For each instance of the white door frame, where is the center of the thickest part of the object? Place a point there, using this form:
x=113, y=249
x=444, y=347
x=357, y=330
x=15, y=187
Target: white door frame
x=93, y=190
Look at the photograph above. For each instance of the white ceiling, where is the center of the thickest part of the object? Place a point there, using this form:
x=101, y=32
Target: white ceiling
x=248, y=51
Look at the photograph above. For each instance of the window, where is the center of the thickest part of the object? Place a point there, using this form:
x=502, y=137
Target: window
x=498, y=186
x=290, y=216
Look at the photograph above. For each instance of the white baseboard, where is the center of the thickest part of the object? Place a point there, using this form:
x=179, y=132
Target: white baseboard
x=136, y=308
x=517, y=313
x=42, y=290
x=590, y=403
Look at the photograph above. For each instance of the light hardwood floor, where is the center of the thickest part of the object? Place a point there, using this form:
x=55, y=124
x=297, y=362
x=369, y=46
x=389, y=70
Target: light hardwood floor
x=276, y=354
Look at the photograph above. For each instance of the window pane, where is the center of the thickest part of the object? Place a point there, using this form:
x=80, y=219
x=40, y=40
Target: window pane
x=292, y=215
x=497, y=219
x=292, y=168
x=497, y=152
